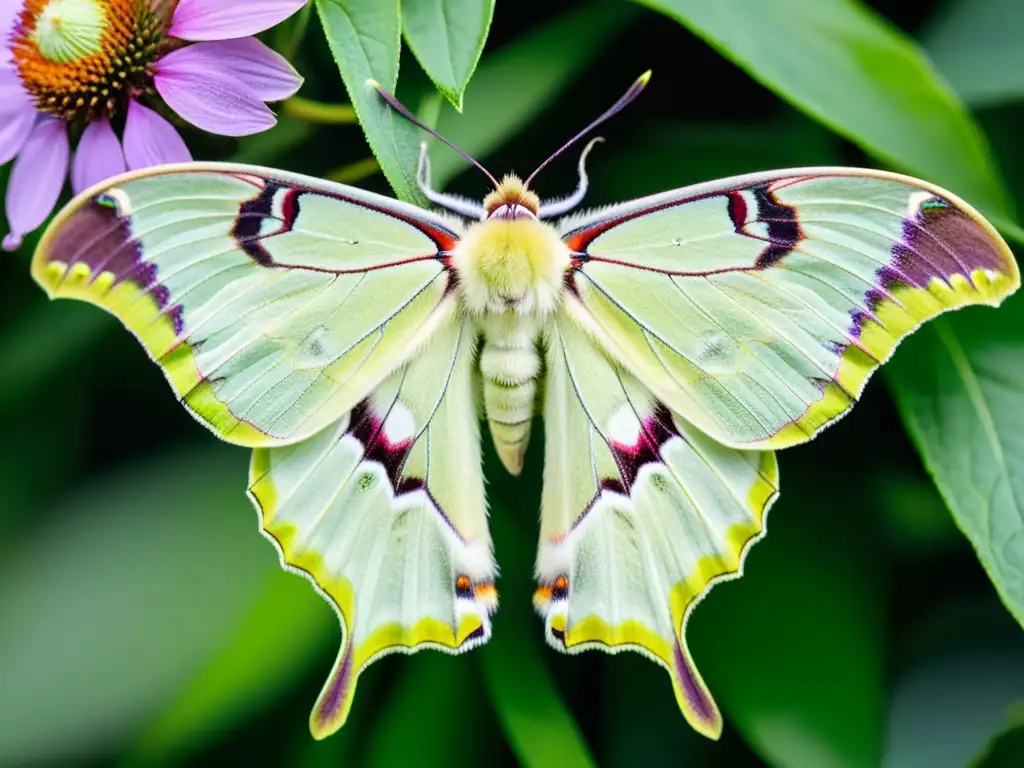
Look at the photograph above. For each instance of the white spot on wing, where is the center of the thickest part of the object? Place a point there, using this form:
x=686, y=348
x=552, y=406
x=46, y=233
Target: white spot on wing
x=277, y=204
x=757, y=229
x=624, y=427
x=915, y=200
x=122, y=202
x=400, y=424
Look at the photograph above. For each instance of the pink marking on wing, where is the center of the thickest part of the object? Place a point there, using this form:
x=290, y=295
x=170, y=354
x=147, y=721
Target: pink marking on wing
x=654, y=432
x=368, y=428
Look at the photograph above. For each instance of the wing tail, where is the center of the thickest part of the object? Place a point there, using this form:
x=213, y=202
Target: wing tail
x=642, y=514
x=368, y=511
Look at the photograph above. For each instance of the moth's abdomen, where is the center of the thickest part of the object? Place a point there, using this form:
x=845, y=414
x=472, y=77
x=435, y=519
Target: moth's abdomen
x=510, y=367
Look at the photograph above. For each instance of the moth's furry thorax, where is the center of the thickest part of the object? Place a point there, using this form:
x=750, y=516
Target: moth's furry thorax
x=511, y=265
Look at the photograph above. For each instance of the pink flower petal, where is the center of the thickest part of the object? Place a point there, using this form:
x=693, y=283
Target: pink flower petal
x=98, y=156
x=246, y=59
x=13, y=96
x=224, y=20
x=151, y=140
x=209, y=97
x=9, y=9
x=37, y=178
x=14, y=131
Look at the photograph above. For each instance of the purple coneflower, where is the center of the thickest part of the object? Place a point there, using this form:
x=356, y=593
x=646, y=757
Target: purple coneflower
x=81, y=67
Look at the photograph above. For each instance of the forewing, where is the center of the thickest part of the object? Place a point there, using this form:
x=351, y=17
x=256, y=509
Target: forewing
x=273, y=302
x=385, y=512
x=757, y=307
x=641, y=515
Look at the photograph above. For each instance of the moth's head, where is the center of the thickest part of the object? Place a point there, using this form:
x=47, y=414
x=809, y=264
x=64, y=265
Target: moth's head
x=511, y=200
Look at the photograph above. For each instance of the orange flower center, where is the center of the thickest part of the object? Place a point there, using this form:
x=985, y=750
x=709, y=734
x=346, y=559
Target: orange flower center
x=80, y=59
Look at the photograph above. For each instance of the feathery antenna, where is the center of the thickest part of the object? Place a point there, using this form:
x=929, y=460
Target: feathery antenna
x=624, y=101
x=396, y=105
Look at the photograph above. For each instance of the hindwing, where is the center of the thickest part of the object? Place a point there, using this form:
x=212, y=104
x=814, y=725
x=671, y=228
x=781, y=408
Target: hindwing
x=384, y=510
x=641, y=514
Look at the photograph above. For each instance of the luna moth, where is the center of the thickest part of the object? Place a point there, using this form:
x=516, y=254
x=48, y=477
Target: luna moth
x=671, y=345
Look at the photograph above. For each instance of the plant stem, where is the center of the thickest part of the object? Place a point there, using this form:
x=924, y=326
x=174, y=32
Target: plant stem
x=319, y=112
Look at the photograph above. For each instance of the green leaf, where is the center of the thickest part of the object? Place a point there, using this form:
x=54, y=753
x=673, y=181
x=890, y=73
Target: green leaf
x=959, y=385
x=512, y=86
x=273, y=645
x=795, y=651
x=447, y=37
x=365, y=39
x=856, y=73
x=111, y=608
x=976, y=45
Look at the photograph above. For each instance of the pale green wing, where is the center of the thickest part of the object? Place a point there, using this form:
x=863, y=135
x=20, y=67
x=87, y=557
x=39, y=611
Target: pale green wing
x=641, y=514
x=274, y=302
x=385, y=512
x=757, y=307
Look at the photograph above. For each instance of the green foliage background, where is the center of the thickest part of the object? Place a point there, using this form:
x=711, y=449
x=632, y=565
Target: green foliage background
x=143, y=619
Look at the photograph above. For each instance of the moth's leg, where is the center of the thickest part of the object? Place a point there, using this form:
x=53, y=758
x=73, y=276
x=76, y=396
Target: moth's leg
x=423, y=169
x=463, y=206
x=559, y=206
